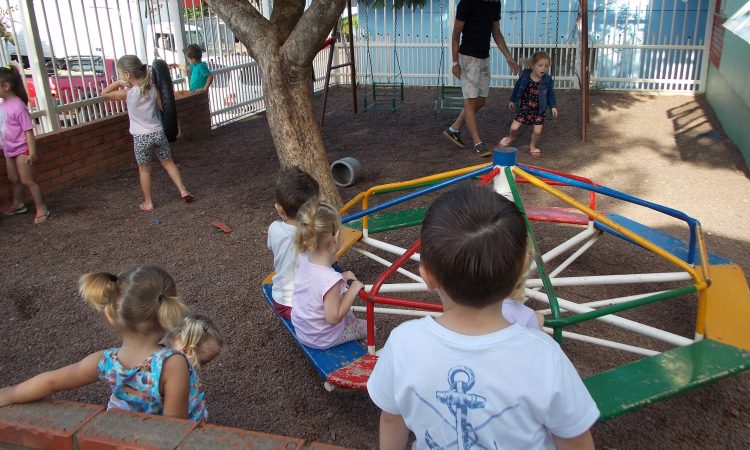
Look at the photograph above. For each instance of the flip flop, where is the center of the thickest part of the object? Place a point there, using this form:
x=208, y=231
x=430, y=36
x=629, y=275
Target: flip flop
x=13, y=211
x=536, y=153
x=188, y=197
x=145, y=208
x=42, y=219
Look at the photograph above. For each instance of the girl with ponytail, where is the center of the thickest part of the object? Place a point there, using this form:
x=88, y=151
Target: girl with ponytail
x=19, y=145
x=142, y=304
x=142, y=98
x=321, y=299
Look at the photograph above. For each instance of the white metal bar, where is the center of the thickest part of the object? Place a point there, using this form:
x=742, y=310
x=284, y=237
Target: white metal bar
x=598, y=280
x=615, y=320
x=605, y=343
x=387, y=263
x=575, y=255
x=567, y=245
x=398, y=312
x=396, y=250
x=400, y=287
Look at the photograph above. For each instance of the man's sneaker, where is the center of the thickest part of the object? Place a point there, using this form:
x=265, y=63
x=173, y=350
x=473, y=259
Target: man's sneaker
x=482, y=149
x=454, y=137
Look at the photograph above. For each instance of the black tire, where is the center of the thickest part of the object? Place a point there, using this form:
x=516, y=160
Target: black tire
x=163, y=82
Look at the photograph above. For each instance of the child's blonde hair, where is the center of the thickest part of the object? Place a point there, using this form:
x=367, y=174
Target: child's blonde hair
x=194, y=330
x=536, y=57
x=140, y=71
x=519, y=291
x=141, y=299
x=316, y=223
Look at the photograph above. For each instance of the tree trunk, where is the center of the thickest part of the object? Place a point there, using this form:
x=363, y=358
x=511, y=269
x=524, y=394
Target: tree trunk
x=291, y=119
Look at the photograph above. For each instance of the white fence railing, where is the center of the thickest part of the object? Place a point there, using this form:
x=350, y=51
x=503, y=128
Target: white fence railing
x=68, y=48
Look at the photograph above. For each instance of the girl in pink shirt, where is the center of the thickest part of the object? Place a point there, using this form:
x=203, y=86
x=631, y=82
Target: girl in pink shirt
x=321, y=299
x=142, y=98
x=19, y=146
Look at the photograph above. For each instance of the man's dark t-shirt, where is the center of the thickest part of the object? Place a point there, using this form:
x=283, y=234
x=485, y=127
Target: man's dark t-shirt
x=478, y=16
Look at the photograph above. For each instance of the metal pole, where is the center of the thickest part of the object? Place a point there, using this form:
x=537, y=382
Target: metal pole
x=351, y=53
x=584, y=69
x=44, y=98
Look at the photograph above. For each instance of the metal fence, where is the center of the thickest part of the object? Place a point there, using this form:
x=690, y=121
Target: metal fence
x=68, y=48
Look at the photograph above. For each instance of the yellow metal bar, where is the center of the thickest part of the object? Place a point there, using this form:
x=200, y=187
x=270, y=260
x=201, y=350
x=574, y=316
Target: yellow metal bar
x=351, y=203
x=700, y=282
x=402, y=184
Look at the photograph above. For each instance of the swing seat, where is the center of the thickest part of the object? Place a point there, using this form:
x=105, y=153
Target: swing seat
x=384, y=96
x=451, y=97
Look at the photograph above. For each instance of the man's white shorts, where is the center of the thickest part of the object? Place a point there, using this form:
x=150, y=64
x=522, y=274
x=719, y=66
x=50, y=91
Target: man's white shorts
x=475, y=76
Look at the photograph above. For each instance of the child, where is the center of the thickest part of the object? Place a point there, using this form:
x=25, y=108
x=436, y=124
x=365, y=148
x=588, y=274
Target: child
x=19, y=145
x=514, y=309
x=142, y=98
x=470, y=379
x=198, y=73
x=536, y=91
x=294, y=188
x=145, y=377
x=321, y=300
x=197, y=338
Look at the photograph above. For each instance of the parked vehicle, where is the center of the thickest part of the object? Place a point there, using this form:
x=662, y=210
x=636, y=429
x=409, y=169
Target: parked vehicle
x=74, y=78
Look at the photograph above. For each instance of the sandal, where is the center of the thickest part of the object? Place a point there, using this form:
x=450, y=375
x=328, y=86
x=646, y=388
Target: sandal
x=188, y=197
x=536, y=153
x=42, y=219
x=145, y=208
x=11, y=211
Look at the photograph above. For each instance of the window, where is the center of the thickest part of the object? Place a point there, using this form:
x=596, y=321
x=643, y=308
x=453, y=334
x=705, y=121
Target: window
x=165, y=41
x=739, y=23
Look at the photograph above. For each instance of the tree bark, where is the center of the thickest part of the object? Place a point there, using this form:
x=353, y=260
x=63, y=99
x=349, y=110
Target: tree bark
x=284, y=49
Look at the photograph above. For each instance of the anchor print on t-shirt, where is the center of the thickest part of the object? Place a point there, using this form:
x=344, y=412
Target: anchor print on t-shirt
x=463, y=410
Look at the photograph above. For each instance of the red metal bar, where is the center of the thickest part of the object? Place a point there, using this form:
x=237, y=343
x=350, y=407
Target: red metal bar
x=416, y=304
x=378, y=284
x=486, y=178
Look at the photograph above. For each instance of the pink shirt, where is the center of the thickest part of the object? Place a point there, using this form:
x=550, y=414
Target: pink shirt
x=15, y=121
x=517, y=312
x=142, y=111
x=311, y=283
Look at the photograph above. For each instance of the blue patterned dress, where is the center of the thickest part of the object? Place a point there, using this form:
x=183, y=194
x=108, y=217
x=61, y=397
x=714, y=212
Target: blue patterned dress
x=137, y=389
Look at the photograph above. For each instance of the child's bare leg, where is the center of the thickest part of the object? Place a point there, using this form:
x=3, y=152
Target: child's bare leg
x=535, y=135
x=144, y=176
x=174, y=174
x=507, y=140
x=15, y=182
x=25, y=175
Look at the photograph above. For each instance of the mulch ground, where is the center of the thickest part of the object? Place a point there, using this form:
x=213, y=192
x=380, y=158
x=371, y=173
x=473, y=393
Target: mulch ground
x=666, y=149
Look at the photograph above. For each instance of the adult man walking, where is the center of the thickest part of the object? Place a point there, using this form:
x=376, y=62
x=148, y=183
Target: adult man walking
x=476, y=21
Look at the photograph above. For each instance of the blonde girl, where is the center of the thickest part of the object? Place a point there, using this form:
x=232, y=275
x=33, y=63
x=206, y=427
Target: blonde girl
x=514, y=309
x=142, y=304
x=535, y=90
x=197, y=338
x=321, y=299
x=19, y=145
x=143, y=99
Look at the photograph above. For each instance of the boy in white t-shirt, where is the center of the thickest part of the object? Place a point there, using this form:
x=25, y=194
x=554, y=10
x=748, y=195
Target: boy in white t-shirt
x=469, y=378
x=294, y=188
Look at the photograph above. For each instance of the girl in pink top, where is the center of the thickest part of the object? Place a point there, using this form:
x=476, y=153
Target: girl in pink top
x=142, y=98
x=19, y=146
x=321, y=299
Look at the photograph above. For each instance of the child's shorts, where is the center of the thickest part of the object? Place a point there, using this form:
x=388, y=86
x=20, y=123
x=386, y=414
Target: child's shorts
x=354, y=329
x=146, y=145
x=475, y=76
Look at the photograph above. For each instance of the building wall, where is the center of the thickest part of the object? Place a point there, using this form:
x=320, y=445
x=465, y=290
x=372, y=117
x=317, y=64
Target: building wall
x=728, y=86
x=72, y=155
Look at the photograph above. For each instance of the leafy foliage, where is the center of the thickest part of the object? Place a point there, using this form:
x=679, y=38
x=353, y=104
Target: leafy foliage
x=397, y=4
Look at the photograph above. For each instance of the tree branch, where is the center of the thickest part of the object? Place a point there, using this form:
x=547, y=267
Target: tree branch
x=285, y=15
x=311, y=30
x=248, y=24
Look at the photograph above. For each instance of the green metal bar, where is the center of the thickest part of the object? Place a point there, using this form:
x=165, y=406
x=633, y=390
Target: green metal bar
x=612, y=309
x=551, y=296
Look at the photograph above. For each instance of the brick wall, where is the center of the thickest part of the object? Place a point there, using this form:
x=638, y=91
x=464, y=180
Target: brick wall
x=72, y=155
x=67, y=425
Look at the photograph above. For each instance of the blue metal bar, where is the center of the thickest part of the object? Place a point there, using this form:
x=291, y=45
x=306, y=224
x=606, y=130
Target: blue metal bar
x=692, y=223
x=416, y=194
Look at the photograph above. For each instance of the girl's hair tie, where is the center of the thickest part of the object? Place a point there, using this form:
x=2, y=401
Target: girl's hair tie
x=113, y=278
x=161, y=297
x=205, y=328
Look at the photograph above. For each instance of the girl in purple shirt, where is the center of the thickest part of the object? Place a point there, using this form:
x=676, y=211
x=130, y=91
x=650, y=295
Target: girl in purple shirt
x=321, y=299
x=19, y=146
x=142, y=98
